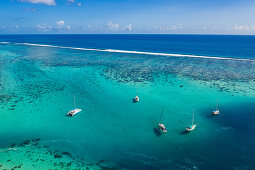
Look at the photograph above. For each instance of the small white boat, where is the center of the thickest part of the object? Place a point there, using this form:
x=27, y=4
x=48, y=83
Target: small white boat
x=73, y=112
x=192, y=126
x=136, y=99
x=217, y=111
x=162, y=127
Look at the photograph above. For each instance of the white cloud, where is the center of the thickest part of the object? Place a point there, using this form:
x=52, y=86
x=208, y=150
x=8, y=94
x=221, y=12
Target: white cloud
x=31, y=9
x=242, y=28
x=176, y=27
x=88, y=27
x=72, y=2
x=60, y=23
x=111, y=26
x=68, y=27
x=169, y=28
x=46, y=2
x=58, y=27
x=129, y=27
x=98, y=28
x=43, y=27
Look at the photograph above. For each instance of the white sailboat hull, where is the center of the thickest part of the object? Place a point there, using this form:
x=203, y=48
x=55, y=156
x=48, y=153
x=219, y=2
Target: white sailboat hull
x=162, y=128
x=73, y=112
x=136, y=99
x=188, y=129
x=216, y=112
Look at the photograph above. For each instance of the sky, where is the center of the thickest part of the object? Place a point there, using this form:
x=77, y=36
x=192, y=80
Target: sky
x=127, y=17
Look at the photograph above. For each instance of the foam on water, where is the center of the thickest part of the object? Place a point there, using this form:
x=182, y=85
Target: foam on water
x=136, y=52
x=4, y=42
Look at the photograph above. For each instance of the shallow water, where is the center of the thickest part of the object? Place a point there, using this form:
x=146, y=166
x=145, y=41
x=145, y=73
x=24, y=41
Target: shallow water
x=37, y=86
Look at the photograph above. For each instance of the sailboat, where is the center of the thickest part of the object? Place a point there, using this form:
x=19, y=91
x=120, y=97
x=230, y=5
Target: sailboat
x=73, y=112
x=217, y=111
x=161, y=126
x=192, y=126
x=136, y=99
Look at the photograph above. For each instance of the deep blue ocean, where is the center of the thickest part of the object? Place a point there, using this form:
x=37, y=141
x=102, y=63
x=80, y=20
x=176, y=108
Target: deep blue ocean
x=238, y=46
x=181, y=74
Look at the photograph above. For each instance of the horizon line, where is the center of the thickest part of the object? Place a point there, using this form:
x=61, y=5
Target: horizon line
x=123, y=34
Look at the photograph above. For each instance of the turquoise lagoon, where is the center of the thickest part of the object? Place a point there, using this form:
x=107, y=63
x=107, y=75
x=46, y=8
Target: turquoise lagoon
x=38, y=83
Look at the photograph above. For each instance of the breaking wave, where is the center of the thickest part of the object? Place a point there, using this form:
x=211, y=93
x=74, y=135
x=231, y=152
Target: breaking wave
x=136, y=52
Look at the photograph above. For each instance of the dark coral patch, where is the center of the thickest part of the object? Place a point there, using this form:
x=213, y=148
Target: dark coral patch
x=57, y=156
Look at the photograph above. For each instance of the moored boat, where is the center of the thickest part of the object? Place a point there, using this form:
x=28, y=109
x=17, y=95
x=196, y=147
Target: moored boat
x=192, y=126
x=73, y=112
x=216, y=111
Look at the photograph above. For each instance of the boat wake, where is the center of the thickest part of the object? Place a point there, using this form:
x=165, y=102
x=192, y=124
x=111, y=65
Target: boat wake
x=136, y=52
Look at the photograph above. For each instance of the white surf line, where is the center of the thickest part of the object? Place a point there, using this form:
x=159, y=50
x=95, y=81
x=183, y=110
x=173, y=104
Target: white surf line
x=4, y=42
x=137, y=52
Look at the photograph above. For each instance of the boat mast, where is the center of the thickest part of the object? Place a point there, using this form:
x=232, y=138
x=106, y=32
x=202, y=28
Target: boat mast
x=74, y=101
x=193, y=118
x=217, y=104
x=160, y=120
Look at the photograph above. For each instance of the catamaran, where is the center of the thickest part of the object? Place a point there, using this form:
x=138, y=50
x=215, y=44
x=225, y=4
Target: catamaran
x=136, y=99
x=161, y=126
x=73, y=112
x=192, y=126
x=217, y=111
